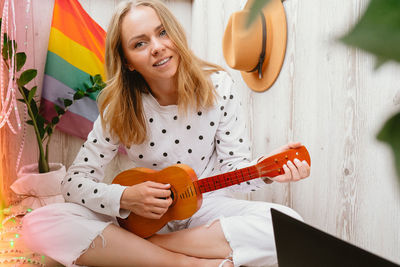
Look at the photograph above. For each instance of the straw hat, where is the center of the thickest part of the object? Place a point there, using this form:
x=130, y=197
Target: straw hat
x=243, y=47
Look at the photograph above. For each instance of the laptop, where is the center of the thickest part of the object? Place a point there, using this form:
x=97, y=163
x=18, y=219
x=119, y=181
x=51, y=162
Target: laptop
x=299, y=244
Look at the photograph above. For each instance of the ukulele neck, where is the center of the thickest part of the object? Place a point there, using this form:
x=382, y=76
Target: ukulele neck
x=227, y=179
x=268, y=167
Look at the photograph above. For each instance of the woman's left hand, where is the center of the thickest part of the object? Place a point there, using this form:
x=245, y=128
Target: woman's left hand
x=294, y=171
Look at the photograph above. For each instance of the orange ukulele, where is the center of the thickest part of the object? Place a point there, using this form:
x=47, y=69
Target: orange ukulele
x=187, y=190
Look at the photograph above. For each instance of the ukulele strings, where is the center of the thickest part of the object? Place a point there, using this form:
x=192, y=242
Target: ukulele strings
x=220, y=181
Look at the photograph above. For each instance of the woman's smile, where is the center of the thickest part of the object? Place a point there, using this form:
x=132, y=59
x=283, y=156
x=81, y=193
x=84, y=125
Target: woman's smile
x=162, y=63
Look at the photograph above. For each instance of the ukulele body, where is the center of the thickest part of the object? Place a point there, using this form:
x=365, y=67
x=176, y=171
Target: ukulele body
x=187, y=190
x=186, y=200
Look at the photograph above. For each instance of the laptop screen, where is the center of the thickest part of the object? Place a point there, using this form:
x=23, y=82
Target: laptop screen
x=299, y=244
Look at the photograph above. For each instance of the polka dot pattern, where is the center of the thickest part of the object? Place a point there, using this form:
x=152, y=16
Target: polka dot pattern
x=211, y=141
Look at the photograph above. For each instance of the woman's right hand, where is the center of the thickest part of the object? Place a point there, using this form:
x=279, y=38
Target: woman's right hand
x=149, y=199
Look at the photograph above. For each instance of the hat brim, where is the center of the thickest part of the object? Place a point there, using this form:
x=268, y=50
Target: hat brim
x=276, y=48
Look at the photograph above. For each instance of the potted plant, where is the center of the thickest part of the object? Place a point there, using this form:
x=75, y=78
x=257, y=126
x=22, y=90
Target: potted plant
x=43, y=129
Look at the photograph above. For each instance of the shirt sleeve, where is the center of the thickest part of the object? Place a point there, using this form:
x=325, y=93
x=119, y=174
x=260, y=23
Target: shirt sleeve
x=231, y=139
x=83, y=182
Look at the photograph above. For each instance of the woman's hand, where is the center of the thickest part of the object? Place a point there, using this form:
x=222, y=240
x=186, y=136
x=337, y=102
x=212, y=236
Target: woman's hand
x=149, y=199
x=294, y=171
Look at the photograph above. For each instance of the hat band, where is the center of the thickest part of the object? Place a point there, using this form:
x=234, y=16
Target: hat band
x=261, y=59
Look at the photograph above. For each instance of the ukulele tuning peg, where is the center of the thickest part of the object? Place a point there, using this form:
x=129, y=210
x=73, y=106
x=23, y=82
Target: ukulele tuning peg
x=297, y=153
x=276, y=160
x=279, y=170
x=286, y=157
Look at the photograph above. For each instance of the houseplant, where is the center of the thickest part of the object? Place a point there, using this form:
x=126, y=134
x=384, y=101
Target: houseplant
x=43, y=129
x=39, y=184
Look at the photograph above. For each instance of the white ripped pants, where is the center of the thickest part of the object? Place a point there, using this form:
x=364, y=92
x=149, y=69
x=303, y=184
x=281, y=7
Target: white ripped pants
x=64, y=231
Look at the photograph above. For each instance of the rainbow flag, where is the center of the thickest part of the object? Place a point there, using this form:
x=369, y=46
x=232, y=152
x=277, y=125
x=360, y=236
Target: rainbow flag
x=76, y=51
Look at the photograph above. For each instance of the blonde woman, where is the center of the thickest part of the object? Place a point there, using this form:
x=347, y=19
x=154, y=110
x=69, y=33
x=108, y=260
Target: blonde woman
x=165, y=106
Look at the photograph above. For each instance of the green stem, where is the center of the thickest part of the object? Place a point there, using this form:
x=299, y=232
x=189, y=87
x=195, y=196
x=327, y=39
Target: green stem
x=43, y=165
x=47, y=148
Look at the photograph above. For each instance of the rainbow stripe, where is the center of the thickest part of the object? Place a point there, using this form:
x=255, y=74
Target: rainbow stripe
x=76, y=51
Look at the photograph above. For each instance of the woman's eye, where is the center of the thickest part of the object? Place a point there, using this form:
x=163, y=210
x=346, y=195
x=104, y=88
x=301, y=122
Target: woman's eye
x=139, y=44
x=163, y=33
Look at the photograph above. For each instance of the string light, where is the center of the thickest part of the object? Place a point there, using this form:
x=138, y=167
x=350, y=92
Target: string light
x=21, y=146
x=8, y=98
x=22, y=260
x=12, y=249
x=8, y=95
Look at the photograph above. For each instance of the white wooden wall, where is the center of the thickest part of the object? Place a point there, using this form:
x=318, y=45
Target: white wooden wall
x=328, y=96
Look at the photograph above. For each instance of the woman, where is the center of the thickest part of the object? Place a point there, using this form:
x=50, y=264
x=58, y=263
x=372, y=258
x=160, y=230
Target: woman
x=165, y=106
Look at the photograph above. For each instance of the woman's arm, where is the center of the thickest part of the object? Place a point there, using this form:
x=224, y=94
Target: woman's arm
x=82, y=183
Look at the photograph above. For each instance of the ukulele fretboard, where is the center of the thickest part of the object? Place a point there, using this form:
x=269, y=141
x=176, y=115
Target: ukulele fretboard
x=226, y=179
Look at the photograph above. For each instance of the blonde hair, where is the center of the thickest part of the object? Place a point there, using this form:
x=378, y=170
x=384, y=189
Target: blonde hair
x=120, y=102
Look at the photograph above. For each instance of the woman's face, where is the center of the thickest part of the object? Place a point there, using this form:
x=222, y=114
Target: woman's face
x=146, y=45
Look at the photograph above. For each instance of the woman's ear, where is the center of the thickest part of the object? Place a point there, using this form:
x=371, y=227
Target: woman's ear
x=127, y=65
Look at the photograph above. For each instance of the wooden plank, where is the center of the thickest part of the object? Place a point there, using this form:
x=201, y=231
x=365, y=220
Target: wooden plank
x=321, y=99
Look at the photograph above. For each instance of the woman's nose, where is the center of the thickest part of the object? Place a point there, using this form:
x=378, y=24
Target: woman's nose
x=157, y=46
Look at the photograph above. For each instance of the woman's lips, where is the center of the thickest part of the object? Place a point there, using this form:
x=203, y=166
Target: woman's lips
x=162, y=62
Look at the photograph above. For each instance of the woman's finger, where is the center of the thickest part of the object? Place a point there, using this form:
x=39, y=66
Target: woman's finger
x=294, y=171
x=151, y=215
x=308, y=167
x=161, y=193
x=157, y=185
x=158, y=211
x=302, y=169
x=284, y=177
x=161, y=202
x=294, y=144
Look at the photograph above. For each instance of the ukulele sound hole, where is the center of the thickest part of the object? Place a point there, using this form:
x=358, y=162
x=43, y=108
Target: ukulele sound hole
x=171, y=196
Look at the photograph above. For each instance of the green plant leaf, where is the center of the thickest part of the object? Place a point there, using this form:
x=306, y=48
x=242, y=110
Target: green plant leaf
x=59, y=110
x=379, y=62
x=86, y=85
x=79, y=94
x=30, y=122
x=390, y=134
x=21, y=59
x=40, y=123
x=49, y=130
x=8, y=48
x=255, y=8
x=68, y=102
x=32, y=93
x=97, y=78
x=5, y=51
x=34, y=108
x=5, y=38
x=378, y=30
x=26, y=77
x=25, y=91
x=55, y=120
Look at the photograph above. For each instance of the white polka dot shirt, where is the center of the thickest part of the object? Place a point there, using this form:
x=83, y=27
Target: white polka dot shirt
x=210, y=141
